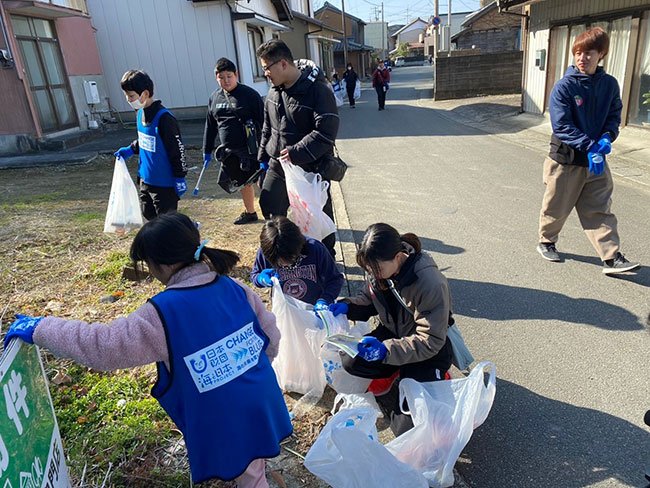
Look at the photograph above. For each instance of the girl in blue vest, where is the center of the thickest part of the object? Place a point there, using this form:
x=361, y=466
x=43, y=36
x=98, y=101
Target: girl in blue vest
x=212, y=340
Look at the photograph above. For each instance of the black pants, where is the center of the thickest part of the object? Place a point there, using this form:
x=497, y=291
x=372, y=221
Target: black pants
x=156, y=200
x=274, y=201
x=381, y=96
x=432, y=369
x=351, y=96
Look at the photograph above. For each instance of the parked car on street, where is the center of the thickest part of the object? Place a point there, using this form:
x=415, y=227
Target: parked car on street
x=399, y=61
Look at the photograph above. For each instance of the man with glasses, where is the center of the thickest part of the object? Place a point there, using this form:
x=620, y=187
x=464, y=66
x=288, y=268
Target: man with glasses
x=300, y=125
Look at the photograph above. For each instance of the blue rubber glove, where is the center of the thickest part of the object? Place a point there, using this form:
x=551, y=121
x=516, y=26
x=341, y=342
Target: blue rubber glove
x=604, y=144
x=124, y=153
x=23, y=328
x=321, y=305
x=372, y=349
x=264, y=165
x=339, y=308
x=206, y=159
x=264, y=278
x=181, y=186
x=596, y=162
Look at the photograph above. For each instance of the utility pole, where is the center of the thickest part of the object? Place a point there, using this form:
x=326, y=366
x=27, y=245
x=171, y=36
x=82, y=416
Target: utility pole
x=407, y=15
x=384, y=35
x=345, y=35
x=448, y=33
x=436, y=31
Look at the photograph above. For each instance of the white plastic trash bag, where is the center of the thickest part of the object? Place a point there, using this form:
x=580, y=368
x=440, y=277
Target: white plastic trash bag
x=445, y=413
x=357, y=90
x=123, y=212
x=298, y=366
x=347, y=454
x=338, y=95
x=356, y=400
x=307, y=196
x=338, y=378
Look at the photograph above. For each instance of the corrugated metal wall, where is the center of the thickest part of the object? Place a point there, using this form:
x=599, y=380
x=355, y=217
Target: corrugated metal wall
x=176, y=42
x=535, y=78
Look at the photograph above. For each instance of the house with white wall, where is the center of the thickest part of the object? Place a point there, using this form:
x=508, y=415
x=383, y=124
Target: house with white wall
x=413, y=34
x=177, y=42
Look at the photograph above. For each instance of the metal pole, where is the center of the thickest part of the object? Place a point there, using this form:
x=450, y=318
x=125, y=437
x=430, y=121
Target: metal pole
x=436, y=30
x=448, y=33
x=345, y=35
x=383, y=34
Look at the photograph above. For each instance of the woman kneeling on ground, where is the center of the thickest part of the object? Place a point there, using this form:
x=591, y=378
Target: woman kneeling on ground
x=411, y=298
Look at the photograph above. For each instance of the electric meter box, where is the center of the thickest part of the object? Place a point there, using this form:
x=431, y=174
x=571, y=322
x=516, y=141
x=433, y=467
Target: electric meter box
x=92, y=93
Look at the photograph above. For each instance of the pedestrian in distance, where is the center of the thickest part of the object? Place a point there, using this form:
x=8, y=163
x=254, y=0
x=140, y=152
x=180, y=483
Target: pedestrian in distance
x=300, y=125
x=304, y=267
x=381, y=83
x=234, y=125
x=160, y=149
x=410, y=296
x=212, y=340
x=350, y=78
x=585, y=111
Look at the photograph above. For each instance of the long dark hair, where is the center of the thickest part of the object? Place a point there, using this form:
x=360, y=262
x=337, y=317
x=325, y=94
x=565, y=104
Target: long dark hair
x=281, y=239
x=382, y=242
x=173, y=238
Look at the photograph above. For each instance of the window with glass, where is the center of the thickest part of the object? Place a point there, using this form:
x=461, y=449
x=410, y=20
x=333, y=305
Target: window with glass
x=640, y=94
x=255, y=40
x=45, y=71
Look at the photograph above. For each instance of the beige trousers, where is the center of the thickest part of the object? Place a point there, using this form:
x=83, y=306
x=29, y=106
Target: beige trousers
x=569, y=186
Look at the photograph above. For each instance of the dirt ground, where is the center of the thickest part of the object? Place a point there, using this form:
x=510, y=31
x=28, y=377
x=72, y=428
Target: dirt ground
x=55, y=259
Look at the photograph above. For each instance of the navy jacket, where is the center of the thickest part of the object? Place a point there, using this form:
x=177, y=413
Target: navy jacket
x=583, y=108
x=314, y=276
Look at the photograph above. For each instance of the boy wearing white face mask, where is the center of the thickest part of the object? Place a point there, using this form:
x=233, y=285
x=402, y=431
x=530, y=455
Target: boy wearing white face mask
x=161, y=167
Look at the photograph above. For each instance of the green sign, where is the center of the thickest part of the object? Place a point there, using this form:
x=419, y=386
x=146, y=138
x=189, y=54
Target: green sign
x=31, y=454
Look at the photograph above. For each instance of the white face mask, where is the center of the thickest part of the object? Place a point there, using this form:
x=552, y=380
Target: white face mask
x=136, y=104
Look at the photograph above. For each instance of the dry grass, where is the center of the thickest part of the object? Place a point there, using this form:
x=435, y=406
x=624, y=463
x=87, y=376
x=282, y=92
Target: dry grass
x=56, y=260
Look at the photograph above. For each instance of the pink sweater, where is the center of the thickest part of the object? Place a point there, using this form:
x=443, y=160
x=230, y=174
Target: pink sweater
x=139, y=338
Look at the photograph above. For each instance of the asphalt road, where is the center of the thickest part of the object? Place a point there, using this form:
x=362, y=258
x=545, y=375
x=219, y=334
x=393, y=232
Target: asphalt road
x=570, y=344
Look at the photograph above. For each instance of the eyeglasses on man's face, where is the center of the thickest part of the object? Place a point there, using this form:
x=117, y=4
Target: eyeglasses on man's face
x=267, y=68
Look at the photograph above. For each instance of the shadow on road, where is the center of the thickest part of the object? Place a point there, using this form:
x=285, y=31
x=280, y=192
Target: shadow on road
x=640, y=276
x=494, y=301
x=554, y=444
x=428, y=244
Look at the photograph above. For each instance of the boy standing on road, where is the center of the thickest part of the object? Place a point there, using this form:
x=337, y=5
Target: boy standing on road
x=585, y=114
x=231, y=107
x=161, y=167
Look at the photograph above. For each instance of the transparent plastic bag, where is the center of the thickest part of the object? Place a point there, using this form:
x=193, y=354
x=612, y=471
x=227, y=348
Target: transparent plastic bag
x=298, y=366
x=444, y=413
x=347, y=454
x=307, y=196
x=357, y=90
x=123, y=212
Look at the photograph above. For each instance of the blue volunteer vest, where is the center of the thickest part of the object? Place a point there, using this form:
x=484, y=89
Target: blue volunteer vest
x=221, y=391
x=155, y=168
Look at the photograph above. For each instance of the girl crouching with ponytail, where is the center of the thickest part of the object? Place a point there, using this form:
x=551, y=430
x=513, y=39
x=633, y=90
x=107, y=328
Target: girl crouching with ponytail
x=212, y=340
x=411, y=298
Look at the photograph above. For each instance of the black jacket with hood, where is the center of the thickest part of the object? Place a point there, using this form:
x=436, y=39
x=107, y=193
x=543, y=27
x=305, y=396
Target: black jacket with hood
x=303, y=119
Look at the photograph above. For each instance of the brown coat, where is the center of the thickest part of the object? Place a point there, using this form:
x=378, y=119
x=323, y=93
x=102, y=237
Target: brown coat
x=422, y=331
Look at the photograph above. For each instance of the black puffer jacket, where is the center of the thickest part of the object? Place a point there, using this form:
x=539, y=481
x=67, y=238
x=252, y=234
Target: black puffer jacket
x=304, y=119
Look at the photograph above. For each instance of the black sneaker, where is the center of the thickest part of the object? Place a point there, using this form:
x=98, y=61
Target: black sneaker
x=246, y=218
x=618, y=265
x=548, y=251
